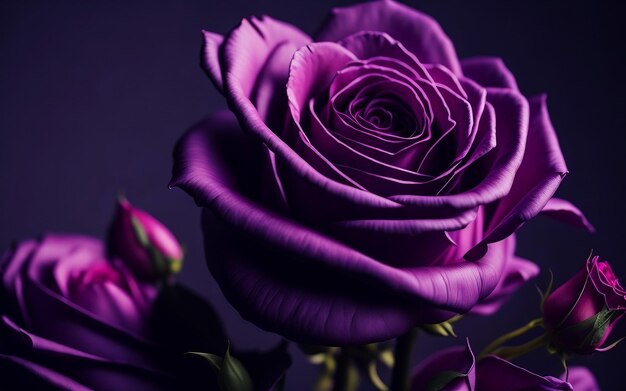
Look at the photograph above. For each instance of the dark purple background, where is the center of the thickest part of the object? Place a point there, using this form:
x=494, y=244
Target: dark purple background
x=93, y=96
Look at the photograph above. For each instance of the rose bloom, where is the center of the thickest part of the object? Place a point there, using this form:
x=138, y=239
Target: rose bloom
x=367, y=180
x=456, y=369
x=580, y=314
x=72, y=319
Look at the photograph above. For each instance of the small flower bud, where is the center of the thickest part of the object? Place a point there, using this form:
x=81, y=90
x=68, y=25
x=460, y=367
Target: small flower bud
x=580, y=314
x=148, y=248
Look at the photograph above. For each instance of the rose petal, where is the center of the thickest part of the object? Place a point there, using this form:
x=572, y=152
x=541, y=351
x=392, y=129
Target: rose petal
x=496, y=374
x=93, y=371
x=69, y=324
x=311, y=71
x=560, y=302
x=231, y=159
x=455, y=142
x=518, y=271
x=484, y=142
x=581, y=379
x=536, y=180
x=367, y=45
x=249, y=46
x=606, y=284
x=419, y=33
x=489, y=72
x=18, y=255
x=211, y=57
x=442, y=75
x=566, y=212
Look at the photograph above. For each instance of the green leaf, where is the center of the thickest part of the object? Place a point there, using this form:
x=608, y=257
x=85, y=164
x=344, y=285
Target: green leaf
x=215, y=361
x=140, y=232
x=233, y=376
x=442, y=379
x=544, y=295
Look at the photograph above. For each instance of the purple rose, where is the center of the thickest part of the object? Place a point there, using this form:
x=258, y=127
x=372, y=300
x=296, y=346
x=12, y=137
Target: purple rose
x=71, y=318
x=373, y=170
x=75, y=320
x=580, y=314
x=456, y=369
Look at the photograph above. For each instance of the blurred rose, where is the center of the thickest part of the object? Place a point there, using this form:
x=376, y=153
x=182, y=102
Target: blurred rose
x=455, y=369
x=373, y=170
x=580, y=314
x=73, y=319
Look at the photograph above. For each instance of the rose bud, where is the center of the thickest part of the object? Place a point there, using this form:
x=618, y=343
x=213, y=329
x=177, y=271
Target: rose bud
x=580, y=314
x=143, y=243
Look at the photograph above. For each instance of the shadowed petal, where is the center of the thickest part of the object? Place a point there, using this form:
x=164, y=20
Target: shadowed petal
x=489, y=72
x=536, y=181
x=90, y=370
x=458, y=359
x=496, y=374
x=566, y=212
x=23, y=374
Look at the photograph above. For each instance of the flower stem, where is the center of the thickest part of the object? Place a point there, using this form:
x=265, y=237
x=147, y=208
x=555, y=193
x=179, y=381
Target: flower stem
x=511, y=352
x=493, y=346
x=402, y=359
x=342, y=377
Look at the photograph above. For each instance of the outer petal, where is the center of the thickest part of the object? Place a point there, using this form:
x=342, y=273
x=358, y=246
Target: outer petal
x=489, y=72
x=211, y=57
x=536, y=180
x=518, y=271
x=419, y=33
x=255, y=59
x=293, y=280
x=566, y=212
x=496, y=374
x=582, y=379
